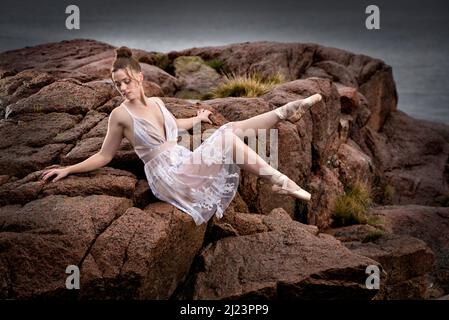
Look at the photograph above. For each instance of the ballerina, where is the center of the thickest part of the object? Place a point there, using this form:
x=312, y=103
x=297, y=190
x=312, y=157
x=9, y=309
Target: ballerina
x=199, y=189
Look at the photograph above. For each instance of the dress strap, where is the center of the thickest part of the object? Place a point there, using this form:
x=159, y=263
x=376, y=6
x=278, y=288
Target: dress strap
x=126, y=108
x=157, y=101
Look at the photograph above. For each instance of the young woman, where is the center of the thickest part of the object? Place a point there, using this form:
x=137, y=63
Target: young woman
x=202, y=182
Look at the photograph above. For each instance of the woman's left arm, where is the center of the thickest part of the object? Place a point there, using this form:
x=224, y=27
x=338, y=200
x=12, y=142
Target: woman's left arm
x=189, y=123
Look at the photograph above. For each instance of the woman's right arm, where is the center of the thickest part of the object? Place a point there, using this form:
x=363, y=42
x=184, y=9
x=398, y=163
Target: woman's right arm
x=108, y=150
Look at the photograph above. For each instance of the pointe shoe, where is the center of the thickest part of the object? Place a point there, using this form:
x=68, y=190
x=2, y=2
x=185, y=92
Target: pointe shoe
x=294, y=110
x=280, y=186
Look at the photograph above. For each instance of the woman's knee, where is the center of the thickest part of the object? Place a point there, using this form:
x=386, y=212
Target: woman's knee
x=231, y=125
x=235, y=128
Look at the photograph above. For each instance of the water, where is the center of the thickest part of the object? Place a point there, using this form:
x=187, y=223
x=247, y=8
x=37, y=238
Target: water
x=413, y=38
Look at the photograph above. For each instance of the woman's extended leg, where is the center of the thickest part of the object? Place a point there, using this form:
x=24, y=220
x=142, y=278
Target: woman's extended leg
x=248, y=126
x=268, y=119
x=250, y=161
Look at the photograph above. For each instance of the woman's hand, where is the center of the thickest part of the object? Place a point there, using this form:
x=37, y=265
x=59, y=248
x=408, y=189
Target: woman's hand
x=203, y=114
x=59, y=172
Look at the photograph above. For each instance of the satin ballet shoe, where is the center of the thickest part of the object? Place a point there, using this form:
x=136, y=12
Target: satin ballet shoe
x=280, y=183
x=294, y=110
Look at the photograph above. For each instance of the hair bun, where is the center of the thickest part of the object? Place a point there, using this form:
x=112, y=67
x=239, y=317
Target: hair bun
x=124, y=52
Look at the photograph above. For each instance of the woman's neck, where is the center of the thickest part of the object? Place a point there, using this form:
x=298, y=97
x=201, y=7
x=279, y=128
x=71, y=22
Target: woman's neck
x=142, y=101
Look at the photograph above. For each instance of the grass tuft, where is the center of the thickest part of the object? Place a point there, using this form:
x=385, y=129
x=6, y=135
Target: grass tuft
x=352, y=207
x=246, y=85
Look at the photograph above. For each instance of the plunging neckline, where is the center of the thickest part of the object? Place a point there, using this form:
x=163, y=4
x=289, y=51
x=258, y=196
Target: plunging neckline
x=164, y=134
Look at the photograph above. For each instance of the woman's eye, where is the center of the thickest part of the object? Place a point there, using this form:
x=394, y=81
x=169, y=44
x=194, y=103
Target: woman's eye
x=127, y=81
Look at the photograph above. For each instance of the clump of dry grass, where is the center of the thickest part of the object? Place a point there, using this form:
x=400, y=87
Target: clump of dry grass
x=351, y=208
x=246, y=85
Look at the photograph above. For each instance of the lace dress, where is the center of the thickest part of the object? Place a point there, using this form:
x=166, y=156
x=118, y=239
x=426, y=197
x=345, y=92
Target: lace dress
x=200, y=183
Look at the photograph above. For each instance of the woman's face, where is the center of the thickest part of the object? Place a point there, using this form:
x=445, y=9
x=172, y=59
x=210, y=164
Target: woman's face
x=127, y=86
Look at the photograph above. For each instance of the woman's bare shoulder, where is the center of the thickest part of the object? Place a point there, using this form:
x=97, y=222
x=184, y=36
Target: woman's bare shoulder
x=120, y=115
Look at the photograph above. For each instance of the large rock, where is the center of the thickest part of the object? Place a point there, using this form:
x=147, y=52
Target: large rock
x=288, y=263
x=267, y=58
x=412, y=159
x=41, y=239
x=353, y=164
x=27, y=129
x=21, y=160
x=354, y=104
x=63, y=55
x=91, y=119
x=338, y=72
x=430, y=224
x=406, y=260
x=236, y=108
x=62, y=96
x=144, y=254
x=196, y=77
x=106, y=181
x=26, y=147
x=16, y=86
x=371, y=76
x=168, y=83
x=380, y=91
x=325, y=188
x=235, y=223
x=122, y=252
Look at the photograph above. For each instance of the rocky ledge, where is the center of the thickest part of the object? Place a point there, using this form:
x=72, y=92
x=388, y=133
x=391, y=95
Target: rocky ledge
x=54, y=105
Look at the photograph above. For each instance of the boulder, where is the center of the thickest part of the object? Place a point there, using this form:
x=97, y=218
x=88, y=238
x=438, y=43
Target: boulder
x=144, y=254
x=42, y=238
x=406, y=260
x=196, y=78
x=429, y=224
x=20, y=85
x=287, y=263
x=121, y=251
x=106, y=181
x=168, y=83
x=411, y=158
x=60, y=96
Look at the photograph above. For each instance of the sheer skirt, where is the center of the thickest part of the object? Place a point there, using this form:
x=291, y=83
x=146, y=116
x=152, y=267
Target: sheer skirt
x=202, y=182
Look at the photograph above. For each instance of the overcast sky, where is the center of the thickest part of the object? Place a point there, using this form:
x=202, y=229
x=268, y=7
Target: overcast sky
x=413, y=38
x=165, y=25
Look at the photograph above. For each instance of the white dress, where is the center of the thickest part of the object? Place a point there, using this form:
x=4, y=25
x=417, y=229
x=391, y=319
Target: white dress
x=198, y=188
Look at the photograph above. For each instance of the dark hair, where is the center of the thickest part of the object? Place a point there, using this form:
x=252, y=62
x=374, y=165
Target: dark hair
x=124, y=60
